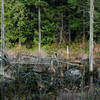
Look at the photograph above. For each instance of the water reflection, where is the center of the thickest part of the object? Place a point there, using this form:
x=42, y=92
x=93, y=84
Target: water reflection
x=86, y=87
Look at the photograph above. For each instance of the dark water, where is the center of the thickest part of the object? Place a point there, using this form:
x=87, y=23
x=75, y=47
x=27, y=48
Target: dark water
x=63, y=87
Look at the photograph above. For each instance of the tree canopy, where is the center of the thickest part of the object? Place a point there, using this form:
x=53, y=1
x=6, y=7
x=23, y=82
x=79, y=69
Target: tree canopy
x=21, y=20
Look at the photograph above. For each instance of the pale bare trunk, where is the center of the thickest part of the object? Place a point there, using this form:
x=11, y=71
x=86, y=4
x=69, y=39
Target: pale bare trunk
x=39, y=28
x=91, y=34
x=2, y=34
x=2, y=49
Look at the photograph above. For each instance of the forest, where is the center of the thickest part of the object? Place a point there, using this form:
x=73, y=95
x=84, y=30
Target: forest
x=50, y=50
x=62, y=21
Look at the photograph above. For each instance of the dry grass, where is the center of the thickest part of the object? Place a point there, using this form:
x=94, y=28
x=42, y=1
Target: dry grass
x=42, y=53
x=17, y=50
x=75, y=50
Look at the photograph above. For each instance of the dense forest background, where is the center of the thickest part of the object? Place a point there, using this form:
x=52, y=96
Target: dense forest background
x=64, y=23
x=61, y=21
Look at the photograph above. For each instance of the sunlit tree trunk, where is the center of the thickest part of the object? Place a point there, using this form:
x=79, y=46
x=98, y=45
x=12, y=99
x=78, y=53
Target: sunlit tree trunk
x=2, y=29
x=91, y=34
x=39, y=28
x=2, y=49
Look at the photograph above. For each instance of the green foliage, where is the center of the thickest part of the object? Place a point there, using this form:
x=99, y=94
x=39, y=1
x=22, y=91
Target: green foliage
x=97, y=21
x=21, y=20
x=72, y=1
x=14, y=21
x=48, y=30
x=75, y=23
x=41, y=4
x=74, y=46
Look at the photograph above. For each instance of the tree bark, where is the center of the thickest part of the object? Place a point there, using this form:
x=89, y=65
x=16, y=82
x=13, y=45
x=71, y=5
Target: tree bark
x=2, y=31
x=91, y=34
x=2, y=50
x=39, y=28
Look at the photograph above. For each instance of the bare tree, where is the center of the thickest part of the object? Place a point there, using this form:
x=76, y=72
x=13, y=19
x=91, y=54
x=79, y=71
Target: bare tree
x=2, y=35
x=2, y=48
x=39, y=27
x=2, y=28
x=91, y=34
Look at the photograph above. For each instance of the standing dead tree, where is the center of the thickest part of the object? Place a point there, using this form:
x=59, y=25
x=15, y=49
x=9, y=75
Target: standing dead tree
x=91, y=34
x=2, y=49
x=39, y=27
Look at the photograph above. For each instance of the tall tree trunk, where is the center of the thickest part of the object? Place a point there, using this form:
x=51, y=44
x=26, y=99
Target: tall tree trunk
x=39, y=28
x=61, y=30
x=2, y=30
x=2, y=50
x=91, y=34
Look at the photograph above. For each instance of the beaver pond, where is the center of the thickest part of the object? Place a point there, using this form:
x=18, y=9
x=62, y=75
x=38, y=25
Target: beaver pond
x=54, y=81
